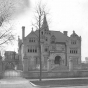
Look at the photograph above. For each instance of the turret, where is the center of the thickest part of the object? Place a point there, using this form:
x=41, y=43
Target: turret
x=45, y=24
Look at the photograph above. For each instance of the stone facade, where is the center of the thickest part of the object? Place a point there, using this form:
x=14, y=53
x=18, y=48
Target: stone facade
x=57, y=49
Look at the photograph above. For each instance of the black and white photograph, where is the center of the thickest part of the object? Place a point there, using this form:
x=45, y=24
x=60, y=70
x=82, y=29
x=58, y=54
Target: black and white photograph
x=43, y=43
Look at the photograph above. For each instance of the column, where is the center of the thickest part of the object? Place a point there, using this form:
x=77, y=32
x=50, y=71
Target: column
x=70, y=64
x=48, y=64
x=25, y=61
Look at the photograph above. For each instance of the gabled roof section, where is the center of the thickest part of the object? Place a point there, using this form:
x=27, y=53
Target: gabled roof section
x=37, y=33
x=74, y=34
x=32, y=34
x=60, y=37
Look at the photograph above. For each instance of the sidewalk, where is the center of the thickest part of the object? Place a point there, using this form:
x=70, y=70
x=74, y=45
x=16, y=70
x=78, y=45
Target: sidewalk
x=44, y=79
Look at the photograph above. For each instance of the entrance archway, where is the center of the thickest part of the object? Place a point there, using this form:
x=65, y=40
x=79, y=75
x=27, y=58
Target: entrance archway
x=57, y=60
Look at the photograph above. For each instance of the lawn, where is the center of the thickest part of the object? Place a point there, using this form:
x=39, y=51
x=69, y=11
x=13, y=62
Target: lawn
x=72, y=82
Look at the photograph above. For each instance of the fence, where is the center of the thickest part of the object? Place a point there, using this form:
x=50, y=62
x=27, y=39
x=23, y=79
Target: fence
x=65, y=74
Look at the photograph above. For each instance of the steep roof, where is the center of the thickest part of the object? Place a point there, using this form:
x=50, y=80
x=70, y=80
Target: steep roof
x=32, y=33
x=60, y=37
x=45, y=23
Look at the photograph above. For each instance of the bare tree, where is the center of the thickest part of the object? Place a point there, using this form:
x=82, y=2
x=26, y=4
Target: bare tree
x=6, y=36
x=10, y=9
x=39, y=16
x=40, y=11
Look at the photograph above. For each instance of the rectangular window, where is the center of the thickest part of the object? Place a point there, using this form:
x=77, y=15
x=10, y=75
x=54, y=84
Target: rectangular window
x=32, y=49
x=32, y=40
x=73, y=42
x=73, y=51
x=46, y=49
x=28, y=50
x=35, y=50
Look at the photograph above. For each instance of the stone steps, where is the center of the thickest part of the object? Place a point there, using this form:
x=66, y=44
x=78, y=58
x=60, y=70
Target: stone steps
x=59, y=68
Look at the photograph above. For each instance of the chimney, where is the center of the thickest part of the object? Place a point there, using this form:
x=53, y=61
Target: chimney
x=23, y=32
x=65, y=33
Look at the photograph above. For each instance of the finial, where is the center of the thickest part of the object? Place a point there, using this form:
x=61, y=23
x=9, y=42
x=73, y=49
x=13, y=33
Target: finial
x=73, y=31
x=32, y=29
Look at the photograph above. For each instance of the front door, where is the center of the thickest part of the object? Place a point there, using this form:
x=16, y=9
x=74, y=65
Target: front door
x=57, y=60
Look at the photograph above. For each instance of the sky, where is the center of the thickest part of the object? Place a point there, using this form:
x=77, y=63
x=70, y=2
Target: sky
x=64, y=15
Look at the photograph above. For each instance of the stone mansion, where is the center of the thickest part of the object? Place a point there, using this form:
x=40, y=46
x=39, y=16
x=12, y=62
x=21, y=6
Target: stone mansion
x=58, y=50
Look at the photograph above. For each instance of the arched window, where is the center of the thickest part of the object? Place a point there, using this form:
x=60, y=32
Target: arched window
x=57, y=60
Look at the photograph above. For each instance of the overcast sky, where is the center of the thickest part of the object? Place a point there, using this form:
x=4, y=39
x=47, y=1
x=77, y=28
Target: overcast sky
x=64, y=15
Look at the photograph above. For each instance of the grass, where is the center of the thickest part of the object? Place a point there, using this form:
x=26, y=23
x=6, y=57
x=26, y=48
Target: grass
x=72, y=82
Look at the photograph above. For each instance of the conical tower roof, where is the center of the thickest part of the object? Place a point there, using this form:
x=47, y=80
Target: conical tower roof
x=45, y=24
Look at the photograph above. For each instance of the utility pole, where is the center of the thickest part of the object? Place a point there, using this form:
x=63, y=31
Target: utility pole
x=40, y=49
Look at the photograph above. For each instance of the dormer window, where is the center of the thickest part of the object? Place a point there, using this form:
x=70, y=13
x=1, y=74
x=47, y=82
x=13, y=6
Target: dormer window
x=53, y=39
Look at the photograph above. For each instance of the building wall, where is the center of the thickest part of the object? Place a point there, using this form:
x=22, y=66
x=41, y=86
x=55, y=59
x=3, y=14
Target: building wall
x=75, y=55
x=68, y=48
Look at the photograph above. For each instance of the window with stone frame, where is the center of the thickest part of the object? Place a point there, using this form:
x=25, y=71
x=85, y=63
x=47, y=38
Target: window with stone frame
x=46, y=49
x=46, y=39
x=31, y=39
x=35, y=50
x=28, y=50
x=32, y=49
x=73, y=50
x=73, y=42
